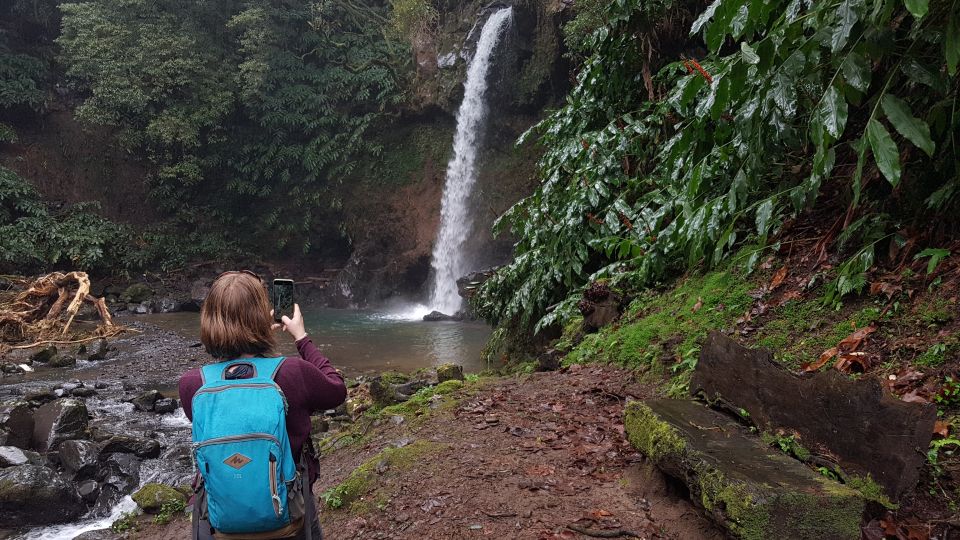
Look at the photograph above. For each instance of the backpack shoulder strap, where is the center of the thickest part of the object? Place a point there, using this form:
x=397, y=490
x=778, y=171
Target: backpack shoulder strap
x=268, y=367
x=265, y=368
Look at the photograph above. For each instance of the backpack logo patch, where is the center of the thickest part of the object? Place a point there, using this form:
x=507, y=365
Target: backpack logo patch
x=237, y=461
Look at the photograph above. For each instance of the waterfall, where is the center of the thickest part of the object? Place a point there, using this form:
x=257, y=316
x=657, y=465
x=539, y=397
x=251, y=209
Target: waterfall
x=455, y=220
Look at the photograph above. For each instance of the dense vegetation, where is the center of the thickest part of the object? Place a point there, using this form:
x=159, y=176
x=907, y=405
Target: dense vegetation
x=652, y=169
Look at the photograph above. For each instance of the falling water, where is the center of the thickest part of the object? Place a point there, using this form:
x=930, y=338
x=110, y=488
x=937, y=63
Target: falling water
x=455, y=221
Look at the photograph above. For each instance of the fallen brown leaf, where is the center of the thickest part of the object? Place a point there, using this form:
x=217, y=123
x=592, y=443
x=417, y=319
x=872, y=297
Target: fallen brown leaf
x=778, y=278
x=941, y=429
x=820, y=362
x=846, y=362
x=698, y=305
x=915, y=396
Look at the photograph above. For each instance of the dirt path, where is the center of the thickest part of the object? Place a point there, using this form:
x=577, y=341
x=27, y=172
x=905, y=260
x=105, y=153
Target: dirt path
x=536, y=457
x=521, y=458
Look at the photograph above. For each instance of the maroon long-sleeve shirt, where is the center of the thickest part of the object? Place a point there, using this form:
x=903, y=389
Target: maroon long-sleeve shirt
x=310, y=383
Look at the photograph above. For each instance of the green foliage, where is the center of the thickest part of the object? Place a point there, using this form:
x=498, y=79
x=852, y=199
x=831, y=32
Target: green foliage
x=250, y=112
x=408, y=18
x=949, y=395
x=169, y=510
x=21, y=77
x=791, y=94
x=126, y=522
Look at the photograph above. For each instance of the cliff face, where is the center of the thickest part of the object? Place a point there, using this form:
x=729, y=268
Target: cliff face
x=392, y=230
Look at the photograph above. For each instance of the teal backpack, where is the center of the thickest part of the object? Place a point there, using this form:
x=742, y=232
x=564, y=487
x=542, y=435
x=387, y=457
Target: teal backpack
x=251, y=485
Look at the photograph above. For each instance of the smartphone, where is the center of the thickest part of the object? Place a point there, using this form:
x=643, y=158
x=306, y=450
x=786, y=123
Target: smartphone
x=282, y=298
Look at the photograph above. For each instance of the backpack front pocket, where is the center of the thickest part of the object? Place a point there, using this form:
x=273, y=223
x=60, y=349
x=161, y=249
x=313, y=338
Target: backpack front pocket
x=244, y=484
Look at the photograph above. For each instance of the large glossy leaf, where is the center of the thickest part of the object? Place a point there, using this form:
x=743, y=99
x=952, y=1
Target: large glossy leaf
x=764, y=213
x=884, y=151
x=748, y=54
x=704, y=17
x=917, y=8
x=833, y=112
x=846, y=19
x=913, y=129
x=951, y=43
x=856, y=71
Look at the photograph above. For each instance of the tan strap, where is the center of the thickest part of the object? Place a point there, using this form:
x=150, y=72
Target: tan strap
x=289, y=531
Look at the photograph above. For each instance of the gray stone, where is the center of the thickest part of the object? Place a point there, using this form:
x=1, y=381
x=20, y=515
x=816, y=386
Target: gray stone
x=146, y=400
x=128, y=444
x=83, y=392
x=748, y=488
x=89, y=490
x=11, y=456
x=17, y=419
x=35, y=495
x=58, y=421
x=167, y=305
x=198, y=293
x=436, y=316
x=152, y=497
x=136, y=293
x=103, y=534
x=44, y=355
x=119, y=475
x=854, y=423
x=165, y=405
x=100, y=351
x=63, y=360
x=68, y=386
x=79, y=458
x=143, y=308
x=449, y=372
x=10, y=368
x=41, y=396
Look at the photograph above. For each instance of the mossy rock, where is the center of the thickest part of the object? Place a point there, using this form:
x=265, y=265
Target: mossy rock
x=394, y=377
x=749, y=489
x=152, y=497
x=136, y=293
x=449, y=372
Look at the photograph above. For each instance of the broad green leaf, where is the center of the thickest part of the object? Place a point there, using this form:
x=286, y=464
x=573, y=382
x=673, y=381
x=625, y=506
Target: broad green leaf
x=704, y=17
x=935, y=254
x=846, y=19
x=884, y=151
x=833, y=112
x=913, y=129
x=856, y=71
x=951, y=43
x=748, y=54
x=764, y=213
x=739, y=21
x=917, y=8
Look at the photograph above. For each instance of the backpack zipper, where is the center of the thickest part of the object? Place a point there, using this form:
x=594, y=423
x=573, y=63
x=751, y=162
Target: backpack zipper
x=277, y=503
x=234, y=438
x=283, y=396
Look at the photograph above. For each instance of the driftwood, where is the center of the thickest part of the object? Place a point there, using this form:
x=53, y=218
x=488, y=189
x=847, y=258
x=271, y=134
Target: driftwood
x=44, y=310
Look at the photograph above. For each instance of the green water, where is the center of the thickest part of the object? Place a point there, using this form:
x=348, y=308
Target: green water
x=359, y=341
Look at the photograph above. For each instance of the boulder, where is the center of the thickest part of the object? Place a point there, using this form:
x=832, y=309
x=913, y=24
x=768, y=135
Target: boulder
x=449, y=372
x=199, y=290
x=855, y=424
x=58, y=421
x=11, y=456
x=44, y=355
x=17, y=419
x=62, y=360
x=79, y=458
x=102, y=534
x=748, y=488
x=136, y=293
x=468, y=285
x=36, y=495
x=128, y=444
x=9, y=368
x=118, y=475
x=143, y=308
x=165, y=405
x=166, y=305
x=83, y=392
x=39, y=397
x=436, y=316
x=153, y=496
x=89, y=490
x=99, y=351
x=146, y=400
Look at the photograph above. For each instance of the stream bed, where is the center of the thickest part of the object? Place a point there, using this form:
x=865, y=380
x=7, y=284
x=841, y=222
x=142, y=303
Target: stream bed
x=163, y=346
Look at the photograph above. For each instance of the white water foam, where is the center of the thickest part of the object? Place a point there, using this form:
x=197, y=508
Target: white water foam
x=455, y=221
x=66, y=532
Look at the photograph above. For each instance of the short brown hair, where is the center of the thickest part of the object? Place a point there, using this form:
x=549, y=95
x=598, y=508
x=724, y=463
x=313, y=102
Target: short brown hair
x=235, y=319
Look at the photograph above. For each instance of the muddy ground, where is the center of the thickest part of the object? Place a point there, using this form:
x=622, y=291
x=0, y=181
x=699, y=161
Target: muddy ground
x=540, y=457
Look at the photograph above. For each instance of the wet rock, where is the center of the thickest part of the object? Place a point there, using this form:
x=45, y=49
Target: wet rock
x=118, y=475
x=104, y=534
x=467, y=285
x=166, y=305
x=68, y=386
x=89, y=490
x=827, y=411
x=79, y=458
x=198, y=293
x=58, y=421
x=17, y=419
x=36, y=495
x=100, y=385
x=153, y=496
x=143, y=308
x=11, y=456
x=449, y=372
x=44, y=355
x=9, y=368
x=599, y=306
x=83, y=392
x=62, y=360
x=165, y=405
x=146, y=400
x=748, y=488
x=137, y=293
x=100, y=351
x=40, y=397
x=436, y=316
x=128, y=444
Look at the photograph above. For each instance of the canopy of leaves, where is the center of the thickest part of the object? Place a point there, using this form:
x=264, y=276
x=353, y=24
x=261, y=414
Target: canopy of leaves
x=791, y=94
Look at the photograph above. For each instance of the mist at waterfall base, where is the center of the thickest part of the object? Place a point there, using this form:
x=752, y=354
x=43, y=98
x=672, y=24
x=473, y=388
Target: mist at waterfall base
x=456, y=222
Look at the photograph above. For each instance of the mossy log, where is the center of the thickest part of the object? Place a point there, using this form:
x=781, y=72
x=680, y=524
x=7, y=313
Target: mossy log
x=752, y=491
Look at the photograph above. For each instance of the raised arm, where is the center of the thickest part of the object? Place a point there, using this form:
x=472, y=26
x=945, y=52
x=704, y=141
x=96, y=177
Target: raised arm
x=324, y=385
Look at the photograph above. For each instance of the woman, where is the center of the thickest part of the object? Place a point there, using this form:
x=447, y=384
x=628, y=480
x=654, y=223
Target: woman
x=236, y=322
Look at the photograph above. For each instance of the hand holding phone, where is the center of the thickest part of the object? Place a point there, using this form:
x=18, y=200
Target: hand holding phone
x=294, y=325
x=282, y=298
